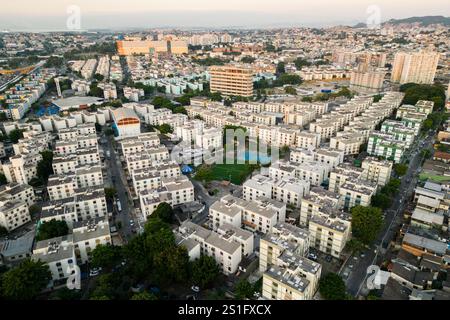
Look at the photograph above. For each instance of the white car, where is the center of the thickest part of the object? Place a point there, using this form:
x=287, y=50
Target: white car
x=196, y=289
x=94, y=272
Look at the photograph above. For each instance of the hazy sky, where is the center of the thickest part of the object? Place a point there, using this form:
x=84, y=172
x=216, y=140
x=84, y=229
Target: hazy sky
x=52, y=14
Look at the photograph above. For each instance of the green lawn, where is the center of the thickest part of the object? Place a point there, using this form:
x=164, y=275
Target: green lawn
x=237, y=172
x=437, y=179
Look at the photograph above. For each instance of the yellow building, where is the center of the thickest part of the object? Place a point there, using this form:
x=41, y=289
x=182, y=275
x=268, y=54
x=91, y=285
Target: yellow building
x=130, y=47
x=231, y=80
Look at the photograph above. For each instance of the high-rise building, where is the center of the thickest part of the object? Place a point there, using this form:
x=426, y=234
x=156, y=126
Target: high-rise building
x=231, y=80
x=367, y=82
x=417, y=67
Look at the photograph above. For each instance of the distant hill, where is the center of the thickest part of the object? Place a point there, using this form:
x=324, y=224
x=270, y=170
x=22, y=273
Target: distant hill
x=424, y=21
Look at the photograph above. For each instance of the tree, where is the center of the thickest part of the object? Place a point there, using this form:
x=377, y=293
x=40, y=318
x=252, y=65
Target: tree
x=104, y=289
x=427, y=125
x=170, y=264
x=95, y=91
x=44, y=167
x=366, y=223
x=382, y=201
x=180, y=109
x=247, y=59
x=52, y=229
x=243, y=290
x=164, y=212
x=205, y=271
x=15, y=135
x=354, y=245
x=106, y=256
x=165, y=128
x=144, y=296
x=290, y=90
x=34, y=210
x=26, y=281
x=54, y=62
x=300, y=63
x=400, y=169
x=162, y=102
x=332, y=287
x=204, y=173
x=281, y=68
x=3, y=179
x=99, y=77
x=110, y=193
x=3, y=231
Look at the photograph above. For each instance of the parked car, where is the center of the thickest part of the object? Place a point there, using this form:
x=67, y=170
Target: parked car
x=312, y=256
x=196, y=289
x=95, y=272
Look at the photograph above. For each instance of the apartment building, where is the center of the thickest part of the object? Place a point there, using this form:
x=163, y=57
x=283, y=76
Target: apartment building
x=61, y=186
x=314, y=172
x=415, y=67
x=330, y=233
x=150, y=178
x=58, y=254
x=180, y=188
x=18, y=192
x=257, y=215
x=341, y=174
x=385, y=145
x=21, y=168
x=15, y=200
x=89, y=234
x=85, y=204
x=147, y=158
x=231, y=80
x=318, y=202
x=400, y=131
x=378, y=171
x=288, y=190
x=356, y=193
x=287, y=274
x=226, y=247
x=139, y=143
x=348, y=142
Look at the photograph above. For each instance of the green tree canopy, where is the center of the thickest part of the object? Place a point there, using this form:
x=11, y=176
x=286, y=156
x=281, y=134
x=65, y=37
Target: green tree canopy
x=400, y=169
x=44, y=167
x=164, y=212
x=144, y=296
x=244, y=290
x=52, y=229
x=366, y=223
x=15, y=135
x=106, y=256
x=26, y=281
x=205, y=271
x=110, y=193
x=332, y=287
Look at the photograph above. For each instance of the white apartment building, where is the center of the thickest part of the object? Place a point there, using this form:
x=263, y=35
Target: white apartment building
x=258, y=215
x=330, y=233
x=87, y=235
x=356, y=193
x=378, y=171
x=58, y=254
x=288, y=190
x=226, y=248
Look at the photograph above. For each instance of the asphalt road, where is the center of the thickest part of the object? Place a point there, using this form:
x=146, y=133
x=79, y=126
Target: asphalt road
x=119, y=182
x=201, y=194
x=356, y=280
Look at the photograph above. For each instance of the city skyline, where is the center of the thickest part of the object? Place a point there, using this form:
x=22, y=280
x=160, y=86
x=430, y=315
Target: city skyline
x=199, y=13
